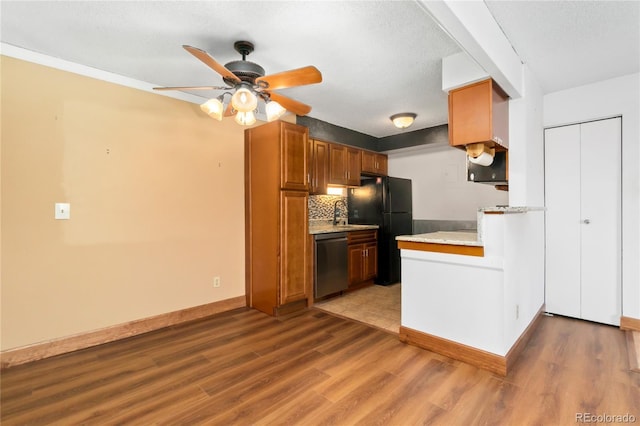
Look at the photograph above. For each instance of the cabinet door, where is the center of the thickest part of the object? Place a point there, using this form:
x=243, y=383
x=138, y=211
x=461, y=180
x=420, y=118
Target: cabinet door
x=294, y=157
x=369, y=162
x=354, y=163
x=293, y=246
x=382, y=164
x=310, y=163
x=337, y=164
x=374, y=163
x=320, y=175
x=370, y=266
x=356, y=260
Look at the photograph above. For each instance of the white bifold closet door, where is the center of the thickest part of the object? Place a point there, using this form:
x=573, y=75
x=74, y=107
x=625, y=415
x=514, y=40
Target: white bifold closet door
x=583, y=238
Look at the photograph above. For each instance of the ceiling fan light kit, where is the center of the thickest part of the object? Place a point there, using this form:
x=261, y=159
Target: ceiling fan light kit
x=274, y=110
x=249, y=84
x=214, y=108
x=244, y=100
x=403, y=119
x=245, y=118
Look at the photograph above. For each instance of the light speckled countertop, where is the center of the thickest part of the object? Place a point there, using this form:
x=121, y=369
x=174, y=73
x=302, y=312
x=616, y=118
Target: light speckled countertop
x=508, y=209
x=459, y=238
x=328, y=228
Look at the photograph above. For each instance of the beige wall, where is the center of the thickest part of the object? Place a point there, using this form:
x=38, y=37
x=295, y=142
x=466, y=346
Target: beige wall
x=157, y=210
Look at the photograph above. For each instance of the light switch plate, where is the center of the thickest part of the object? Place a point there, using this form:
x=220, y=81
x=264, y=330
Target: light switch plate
x=63, y=211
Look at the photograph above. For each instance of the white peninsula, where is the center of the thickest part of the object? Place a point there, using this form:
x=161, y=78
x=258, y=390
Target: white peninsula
x=475, y=296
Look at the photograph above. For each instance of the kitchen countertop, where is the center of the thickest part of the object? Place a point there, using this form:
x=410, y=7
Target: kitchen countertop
x=328, y=228
x=460, y=238
x=508, y=209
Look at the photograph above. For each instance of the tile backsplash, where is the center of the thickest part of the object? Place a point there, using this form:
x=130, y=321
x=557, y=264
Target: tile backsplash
x=321, y=207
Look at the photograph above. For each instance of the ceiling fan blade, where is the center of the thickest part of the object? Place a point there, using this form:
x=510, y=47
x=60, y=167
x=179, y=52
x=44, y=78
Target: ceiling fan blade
x=211, y=63
x=292, y=105
x=193, y=88
x=297, y=77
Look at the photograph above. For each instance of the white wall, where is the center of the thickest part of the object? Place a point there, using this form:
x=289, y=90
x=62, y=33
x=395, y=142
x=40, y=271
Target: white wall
x=523, y=271
x=526, y=147
x=615, y=97
x=440, y=187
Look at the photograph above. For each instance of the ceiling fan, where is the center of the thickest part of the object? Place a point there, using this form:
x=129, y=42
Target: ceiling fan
x=247, y=83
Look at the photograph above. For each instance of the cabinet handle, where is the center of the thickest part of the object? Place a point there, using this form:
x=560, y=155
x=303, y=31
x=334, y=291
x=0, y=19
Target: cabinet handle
x=586, y=221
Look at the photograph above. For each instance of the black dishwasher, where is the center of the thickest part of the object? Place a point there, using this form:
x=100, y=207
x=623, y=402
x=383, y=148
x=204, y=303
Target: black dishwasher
x=331, y=268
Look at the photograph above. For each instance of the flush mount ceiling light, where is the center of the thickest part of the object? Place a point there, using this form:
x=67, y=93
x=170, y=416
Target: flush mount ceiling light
x=403, y=119
x=248, y=84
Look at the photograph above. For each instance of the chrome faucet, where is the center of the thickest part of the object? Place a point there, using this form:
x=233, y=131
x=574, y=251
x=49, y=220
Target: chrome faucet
x=335, y=210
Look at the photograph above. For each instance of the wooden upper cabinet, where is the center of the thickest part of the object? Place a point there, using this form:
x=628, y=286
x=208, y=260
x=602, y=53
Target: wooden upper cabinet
x=319, y=169
x=294, y=151
x=354, y=166
x=479, y=112
x=337, y=164
x=374, y=163
x=344, y=165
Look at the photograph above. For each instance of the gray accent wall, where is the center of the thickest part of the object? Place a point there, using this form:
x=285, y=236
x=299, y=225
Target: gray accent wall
x=328, y=132
x=322, y=130
x=426, y=226
x=430, y=135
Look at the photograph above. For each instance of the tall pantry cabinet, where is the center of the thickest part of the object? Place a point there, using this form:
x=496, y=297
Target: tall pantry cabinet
x=583, y=220
x=276, y=217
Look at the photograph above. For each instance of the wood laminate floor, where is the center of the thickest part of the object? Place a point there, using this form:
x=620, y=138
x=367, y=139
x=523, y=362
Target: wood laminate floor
x=312, y=368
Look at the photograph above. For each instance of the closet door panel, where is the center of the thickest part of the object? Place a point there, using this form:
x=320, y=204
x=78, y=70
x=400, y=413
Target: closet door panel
x=562, y=224
x=600, y=220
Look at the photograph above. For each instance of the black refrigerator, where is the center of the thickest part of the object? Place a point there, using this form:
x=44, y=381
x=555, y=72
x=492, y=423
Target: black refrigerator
x=386, y=202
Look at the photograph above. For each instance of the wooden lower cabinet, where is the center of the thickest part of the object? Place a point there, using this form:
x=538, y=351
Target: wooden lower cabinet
x=363, y=257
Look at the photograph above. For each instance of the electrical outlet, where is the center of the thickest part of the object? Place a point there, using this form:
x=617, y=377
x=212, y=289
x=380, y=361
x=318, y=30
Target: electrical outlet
x=216, y=281
x=517, y=311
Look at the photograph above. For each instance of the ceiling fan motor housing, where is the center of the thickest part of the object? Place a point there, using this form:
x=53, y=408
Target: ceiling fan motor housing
x=245, y=71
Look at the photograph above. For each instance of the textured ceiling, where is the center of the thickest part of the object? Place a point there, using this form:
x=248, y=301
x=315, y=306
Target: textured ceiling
x=377, y=57
x=571, y=43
